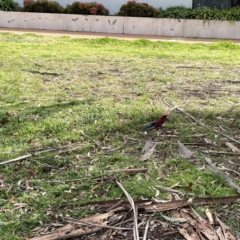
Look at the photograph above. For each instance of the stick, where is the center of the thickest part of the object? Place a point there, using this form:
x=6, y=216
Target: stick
x=79, y=222
x=43, y=73
x=234, y=140
x=227, y=179
x=137, y=170
x=32, y=154
x=230, y=170
x=221, y=153
x=196, y=67
x=16, y=159
x=156, y=207
x=72, y=180
x=146, y=231
x=200, y=123
x=135, y=225
x=233, y=163
x=85, y=135
x=115, y=205
x=160, y=173
x=168, y=189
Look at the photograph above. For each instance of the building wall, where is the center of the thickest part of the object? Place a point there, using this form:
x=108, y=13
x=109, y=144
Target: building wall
x=220, y=4
x=114, y=5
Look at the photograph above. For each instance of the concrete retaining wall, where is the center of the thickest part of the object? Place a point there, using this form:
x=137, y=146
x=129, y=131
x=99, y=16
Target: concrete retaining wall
x=121, y=25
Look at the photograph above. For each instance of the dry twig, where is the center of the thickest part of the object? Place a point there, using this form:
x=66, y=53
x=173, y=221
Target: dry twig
x=43, y=73
x=33, y=154
x=135, y=224
x=134, y=170
x=146, y=231
x=227, y=179
x=168, y=189
x=199, y=122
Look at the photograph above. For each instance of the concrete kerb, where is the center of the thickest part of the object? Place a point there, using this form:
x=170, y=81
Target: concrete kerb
x=110, y=35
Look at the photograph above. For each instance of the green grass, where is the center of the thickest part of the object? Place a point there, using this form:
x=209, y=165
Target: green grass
x=99, y=93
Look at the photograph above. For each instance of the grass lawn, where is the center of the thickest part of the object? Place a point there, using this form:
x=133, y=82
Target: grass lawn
x=95, y=95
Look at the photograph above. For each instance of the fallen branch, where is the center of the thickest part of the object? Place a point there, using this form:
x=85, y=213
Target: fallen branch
x=227, y=179
x=73, y=180
x=146, y=231
x=85, y=135
x=121, y=204
x=16, y=159
x=135, y=216
x=168, y=189
x=148, y=206
x=160, y=173
x=232, y=147
x=90, y=225
x=231, y=162
x=37, y=64
x=221, y=153
x=114, y=206
x=155, y=207
x=196, y=67
x=137, y=170
x=212, y=167
x=43, y=73
x=199, y=122
x=79, y=222
x=119, y=148
x=230, y=138
x=32, y=155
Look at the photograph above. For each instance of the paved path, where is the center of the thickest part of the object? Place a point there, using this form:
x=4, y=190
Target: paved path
x=119, y=36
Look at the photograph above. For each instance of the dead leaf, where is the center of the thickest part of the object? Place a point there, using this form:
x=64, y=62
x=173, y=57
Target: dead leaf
x=201, y=226
x=208, y=141
x=185, y=152
x=189, y=187
x=148, y=150
x=19, y=205
x=232, y=147
x=168, y=189
x=189, y=236
x=78, y=227
x=6, y=223
x=36, y=144
x=209, y=215
x=178, y=184
x=2, y=181
x=171, y=219
x=225, y=230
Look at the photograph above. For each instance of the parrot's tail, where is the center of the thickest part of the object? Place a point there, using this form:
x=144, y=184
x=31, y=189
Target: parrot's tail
x=148, y=126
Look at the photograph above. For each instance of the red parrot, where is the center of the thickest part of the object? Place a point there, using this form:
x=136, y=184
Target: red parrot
x=157, y=124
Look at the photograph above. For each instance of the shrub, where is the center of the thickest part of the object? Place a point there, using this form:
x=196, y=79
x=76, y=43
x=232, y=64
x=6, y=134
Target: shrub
x=91, y=8
x=8, y=5
x=232, y=14
x=134, y=9
x=42, y=6
x=178, y=12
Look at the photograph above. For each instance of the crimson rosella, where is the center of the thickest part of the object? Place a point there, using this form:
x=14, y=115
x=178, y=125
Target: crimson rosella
x=157, y=124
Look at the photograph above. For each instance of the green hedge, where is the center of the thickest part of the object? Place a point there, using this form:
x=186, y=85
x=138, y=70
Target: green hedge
x=232, y=14
x=135, y=9
x=132, y=9
x=42, y=6
x=92, y=8
x=9, y=5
